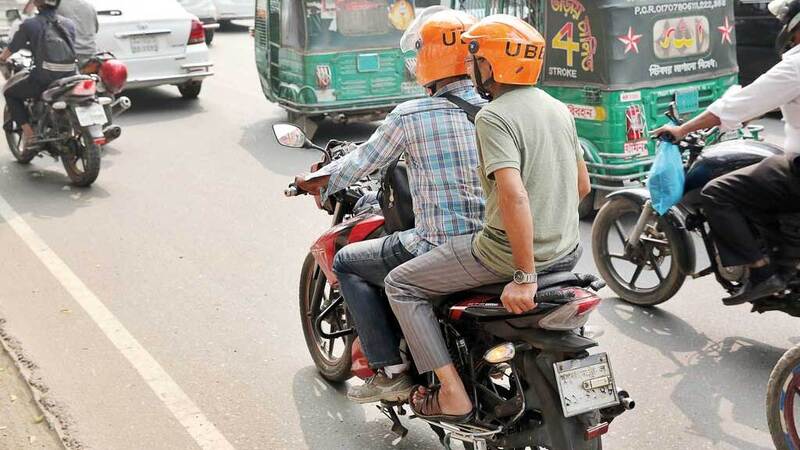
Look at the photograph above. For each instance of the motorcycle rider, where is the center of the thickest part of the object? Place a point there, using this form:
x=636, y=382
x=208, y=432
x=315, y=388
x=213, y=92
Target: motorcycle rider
x=31, y=84
x=769, y=187
x=439, y=144
x=533, y=175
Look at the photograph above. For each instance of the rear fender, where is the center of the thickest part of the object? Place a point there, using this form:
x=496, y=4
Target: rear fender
x=674, y=218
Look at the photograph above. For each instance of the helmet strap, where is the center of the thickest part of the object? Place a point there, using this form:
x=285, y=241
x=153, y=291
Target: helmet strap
x=480, y=83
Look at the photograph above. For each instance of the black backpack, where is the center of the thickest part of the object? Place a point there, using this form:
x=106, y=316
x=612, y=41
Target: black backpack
x=55, y=55
x=394, y=195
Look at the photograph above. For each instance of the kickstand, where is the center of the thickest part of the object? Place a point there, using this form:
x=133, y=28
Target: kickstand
x=397, y=427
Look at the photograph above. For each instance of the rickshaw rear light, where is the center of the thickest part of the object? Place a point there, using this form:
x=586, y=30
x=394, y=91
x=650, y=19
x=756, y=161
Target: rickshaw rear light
x=324, y=76
x=636, y=123
x=198, y=33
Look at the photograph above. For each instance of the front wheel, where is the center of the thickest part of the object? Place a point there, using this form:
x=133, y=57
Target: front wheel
x=332, y=356
x=190, y=90
x=647, y=274
x=82, y=161
x=783, y=401
x=14, y=139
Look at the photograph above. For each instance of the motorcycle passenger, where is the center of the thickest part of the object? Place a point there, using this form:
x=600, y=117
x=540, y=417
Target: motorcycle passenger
x=769, y=187
x=85, y=17
x=50, y=38
x=533, y=176
x=440, y=148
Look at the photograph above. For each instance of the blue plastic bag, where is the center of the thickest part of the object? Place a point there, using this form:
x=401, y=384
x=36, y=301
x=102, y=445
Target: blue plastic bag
x=667, y=178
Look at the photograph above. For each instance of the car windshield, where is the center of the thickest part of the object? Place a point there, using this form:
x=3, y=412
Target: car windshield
x=358, y=24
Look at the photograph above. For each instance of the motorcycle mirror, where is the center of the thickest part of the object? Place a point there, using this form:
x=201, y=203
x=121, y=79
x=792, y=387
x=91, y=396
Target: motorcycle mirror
x=13, y=14
x=290, y=135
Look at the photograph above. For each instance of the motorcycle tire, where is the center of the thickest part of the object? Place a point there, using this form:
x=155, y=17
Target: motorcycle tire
x=86, y=154
x=669, y=284
x=209, y=37
x=332, y=369
x=14, y=140
x=782, y=395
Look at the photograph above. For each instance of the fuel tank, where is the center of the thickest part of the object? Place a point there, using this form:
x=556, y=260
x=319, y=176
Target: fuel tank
x=725, y=157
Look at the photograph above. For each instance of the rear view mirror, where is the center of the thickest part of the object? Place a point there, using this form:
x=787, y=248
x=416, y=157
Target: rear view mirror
x=290, y=135
x=13, y=14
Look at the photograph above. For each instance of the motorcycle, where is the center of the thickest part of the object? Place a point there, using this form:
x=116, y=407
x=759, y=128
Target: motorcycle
x=70, y=120
x=661, y=247
x=783, y=401
x=530, y=376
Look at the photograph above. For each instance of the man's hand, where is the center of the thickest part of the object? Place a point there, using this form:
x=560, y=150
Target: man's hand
x=674, y=130
x=313, y=186
x=518, y=298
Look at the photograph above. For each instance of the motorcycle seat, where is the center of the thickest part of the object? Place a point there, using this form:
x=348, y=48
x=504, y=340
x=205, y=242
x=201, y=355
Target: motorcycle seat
x=546, y=281
x=61, y=85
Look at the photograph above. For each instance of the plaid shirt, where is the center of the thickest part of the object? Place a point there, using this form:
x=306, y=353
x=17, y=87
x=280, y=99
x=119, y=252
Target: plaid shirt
x=441, y=152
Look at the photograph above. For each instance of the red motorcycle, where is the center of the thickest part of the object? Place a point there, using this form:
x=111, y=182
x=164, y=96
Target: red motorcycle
x=530, y=376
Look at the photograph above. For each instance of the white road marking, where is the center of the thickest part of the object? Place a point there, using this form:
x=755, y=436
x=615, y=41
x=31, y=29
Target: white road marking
x=166, y=389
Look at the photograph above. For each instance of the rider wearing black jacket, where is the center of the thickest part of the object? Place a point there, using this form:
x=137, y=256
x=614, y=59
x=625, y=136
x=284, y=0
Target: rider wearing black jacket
x=31, y=84
x=768, y=188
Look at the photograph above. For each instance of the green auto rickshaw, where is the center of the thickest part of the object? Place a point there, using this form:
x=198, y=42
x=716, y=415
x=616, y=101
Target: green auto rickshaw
x=338, y=59
x=618, y=64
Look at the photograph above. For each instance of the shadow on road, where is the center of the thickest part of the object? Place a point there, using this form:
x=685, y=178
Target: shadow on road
x=330, y=421
x=161, y=104
x=708, y=372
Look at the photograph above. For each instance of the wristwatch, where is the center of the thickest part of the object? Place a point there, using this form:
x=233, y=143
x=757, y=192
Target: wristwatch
x=521, y=277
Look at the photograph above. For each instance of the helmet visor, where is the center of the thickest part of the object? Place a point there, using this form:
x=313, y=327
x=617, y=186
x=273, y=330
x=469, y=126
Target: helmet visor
x=408, y=43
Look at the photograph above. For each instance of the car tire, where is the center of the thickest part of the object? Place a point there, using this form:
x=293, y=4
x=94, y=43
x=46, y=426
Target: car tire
x=190, y=90
x=209, y=36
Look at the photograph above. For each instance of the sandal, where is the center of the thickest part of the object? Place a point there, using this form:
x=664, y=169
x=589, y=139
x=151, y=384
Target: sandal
x=431, y=410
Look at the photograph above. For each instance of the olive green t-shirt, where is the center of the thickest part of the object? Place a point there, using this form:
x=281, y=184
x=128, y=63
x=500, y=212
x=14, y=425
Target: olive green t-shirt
x=528, y=130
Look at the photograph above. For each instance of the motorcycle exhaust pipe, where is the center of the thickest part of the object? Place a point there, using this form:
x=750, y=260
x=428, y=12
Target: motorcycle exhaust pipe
x=120, y=105
x=626, y=401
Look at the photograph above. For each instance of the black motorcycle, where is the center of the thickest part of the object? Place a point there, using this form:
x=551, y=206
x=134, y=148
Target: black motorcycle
x=68, y=121
x=645, y=257
x=530, y=376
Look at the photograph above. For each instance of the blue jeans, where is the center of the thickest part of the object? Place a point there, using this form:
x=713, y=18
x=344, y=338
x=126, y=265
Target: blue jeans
x=361, y=268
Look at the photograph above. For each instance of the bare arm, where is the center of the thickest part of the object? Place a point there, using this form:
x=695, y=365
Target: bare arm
x=584, y=182
x=5, y=55
x=705, y=120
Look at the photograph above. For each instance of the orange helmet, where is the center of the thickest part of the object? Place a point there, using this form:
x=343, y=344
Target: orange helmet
x=440, y=50
x=513, y=48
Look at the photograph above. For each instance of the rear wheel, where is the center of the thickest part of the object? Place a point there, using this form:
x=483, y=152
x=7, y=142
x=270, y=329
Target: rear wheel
x=333, y=356
x=190, y=90
x=209, y=36
x=14, y=139
x=82, y=160
x=646, y=275
x=783, y=401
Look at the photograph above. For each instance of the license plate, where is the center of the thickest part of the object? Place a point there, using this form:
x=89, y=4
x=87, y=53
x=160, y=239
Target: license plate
x=687, y=101
x=144, y=44
x=91, y=115
x=585, y=384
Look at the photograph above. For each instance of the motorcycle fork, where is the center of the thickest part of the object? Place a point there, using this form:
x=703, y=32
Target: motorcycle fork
x=647, y=214
x=319, y=289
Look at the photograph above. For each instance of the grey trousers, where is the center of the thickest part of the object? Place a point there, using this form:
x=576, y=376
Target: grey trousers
x=447, y=269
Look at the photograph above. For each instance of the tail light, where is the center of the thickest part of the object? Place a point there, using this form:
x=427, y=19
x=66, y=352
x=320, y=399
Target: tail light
x=636, y=122
x=85, y=88
x=114, y=74
x=573, y=315
x=324, y=76
x=198, y=33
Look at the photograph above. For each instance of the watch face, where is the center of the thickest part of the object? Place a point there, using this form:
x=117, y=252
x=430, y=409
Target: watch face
x=519, y=277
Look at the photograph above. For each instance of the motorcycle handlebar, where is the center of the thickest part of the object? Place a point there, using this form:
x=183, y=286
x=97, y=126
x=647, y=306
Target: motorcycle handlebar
x=293, y=191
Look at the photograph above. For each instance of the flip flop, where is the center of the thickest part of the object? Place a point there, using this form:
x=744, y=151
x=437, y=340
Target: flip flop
x=430, y=404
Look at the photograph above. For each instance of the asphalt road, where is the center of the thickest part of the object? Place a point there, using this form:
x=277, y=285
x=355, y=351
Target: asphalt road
x=188, y=243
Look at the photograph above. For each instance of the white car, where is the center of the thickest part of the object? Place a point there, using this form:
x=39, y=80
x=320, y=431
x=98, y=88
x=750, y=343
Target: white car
x=159, y=41
x=206, y=11
x=235, y=9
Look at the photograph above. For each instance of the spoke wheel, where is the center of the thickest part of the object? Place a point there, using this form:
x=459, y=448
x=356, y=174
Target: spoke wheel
x=783, y=402
x=646, y=274
x=332, y=356
x=14, y=139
